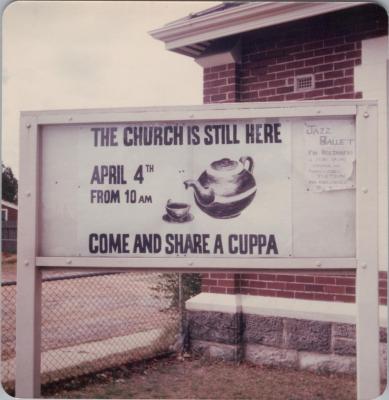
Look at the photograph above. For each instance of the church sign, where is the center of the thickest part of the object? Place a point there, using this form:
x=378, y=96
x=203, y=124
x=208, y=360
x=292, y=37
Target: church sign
x=222, y=186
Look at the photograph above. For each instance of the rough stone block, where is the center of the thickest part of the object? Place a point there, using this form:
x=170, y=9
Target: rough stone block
x=345, y=347
x=327, y=363
x=262, y=330
x=271, y=356
x=344, y=330
x=199, y=347
x=217, y=351
x=349, y=331
x=215, y=326
x=307, y=335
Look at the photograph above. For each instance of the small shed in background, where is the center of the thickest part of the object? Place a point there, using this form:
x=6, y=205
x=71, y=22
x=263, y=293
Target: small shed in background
x=9, y=220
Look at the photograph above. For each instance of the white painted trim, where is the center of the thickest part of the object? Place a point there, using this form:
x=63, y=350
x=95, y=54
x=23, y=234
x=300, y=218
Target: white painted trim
x=207, y=111
x=212, y=60
x=368, y=374
x=214, y=57
x=196, y=263
x=28, y=296
x=347, y=106
x=314, y=310
x=228, y=303
x=374, y=63
x=8, y=204
x=244, y=18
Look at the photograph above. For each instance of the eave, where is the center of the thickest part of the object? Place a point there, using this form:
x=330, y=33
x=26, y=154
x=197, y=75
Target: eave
x=8, y=204
x=192, y=36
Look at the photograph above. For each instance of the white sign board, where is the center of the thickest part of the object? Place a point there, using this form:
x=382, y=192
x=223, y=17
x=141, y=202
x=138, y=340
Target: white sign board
x=153, y=189
x=226, y=188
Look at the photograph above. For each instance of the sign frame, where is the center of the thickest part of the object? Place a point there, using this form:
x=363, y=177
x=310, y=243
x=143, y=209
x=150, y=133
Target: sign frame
x=30, y=264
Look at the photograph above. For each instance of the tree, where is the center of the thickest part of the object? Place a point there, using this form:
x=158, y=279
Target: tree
x=168, y=287
x=9, y=185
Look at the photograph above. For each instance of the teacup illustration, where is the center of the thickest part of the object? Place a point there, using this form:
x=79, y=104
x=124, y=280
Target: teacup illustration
x=177, y=212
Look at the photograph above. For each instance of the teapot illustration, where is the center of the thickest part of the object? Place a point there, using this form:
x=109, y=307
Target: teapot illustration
x=225, y=188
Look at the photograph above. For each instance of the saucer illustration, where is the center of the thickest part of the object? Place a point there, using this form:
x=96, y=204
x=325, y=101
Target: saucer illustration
x=177, y=212
x=168, y=218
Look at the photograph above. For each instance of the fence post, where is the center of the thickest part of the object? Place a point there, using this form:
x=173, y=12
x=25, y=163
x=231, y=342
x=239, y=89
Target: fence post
x=181, y=304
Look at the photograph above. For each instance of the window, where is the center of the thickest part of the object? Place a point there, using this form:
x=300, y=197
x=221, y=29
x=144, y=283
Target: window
x=4, y=214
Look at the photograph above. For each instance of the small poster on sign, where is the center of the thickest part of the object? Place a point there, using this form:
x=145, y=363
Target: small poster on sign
x=329, y=155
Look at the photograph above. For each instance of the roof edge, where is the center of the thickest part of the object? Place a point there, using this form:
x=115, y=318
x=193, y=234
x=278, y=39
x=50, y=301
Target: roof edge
x=9, y=204
x=240, y=19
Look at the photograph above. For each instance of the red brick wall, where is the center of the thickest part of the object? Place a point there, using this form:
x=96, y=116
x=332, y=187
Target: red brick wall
x=329, y=47
x=323, y=285
x=221, y=84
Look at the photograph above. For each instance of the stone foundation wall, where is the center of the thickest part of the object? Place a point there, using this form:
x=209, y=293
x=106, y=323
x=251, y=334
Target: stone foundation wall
x=277, y=341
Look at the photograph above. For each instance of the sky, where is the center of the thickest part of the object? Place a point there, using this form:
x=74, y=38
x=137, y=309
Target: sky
x=87, y=54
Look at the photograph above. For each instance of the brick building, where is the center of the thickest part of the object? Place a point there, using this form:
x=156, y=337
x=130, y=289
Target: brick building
x=9, y=211
x=263, y=52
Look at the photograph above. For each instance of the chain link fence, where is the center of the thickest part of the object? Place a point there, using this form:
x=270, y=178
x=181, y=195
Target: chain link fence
x=8, y=336
x=95, y=321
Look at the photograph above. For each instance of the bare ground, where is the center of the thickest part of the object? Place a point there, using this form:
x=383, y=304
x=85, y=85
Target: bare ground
x=178, y=378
